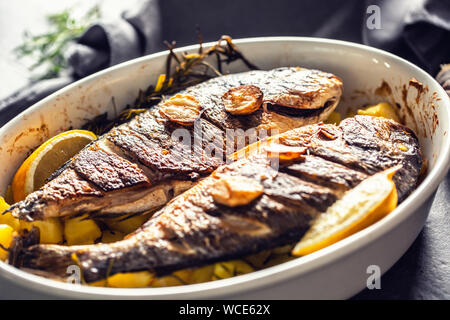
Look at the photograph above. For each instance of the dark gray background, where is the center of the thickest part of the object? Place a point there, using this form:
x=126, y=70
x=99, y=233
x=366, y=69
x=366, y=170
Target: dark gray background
x=424, y=271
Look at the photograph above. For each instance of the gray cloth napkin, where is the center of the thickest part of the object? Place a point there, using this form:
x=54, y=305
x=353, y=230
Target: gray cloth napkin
x=135, y=33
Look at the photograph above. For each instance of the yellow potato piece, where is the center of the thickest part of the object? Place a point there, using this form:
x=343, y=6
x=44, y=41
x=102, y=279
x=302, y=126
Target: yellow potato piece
x=202, y=274
x=126, y=226
x=6, y=236
x=50, y=230
x=7, y=218
x=360, y=207
x=382, y=109
x=80, y=230
x=178, y=278
x=130, y=280
x=334, y=118
x=223, y=270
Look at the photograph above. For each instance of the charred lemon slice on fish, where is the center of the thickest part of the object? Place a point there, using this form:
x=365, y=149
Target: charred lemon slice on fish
x=243, y=100
x=236, y=190
x=181, y=109
x=360, y=207
x=46, y=159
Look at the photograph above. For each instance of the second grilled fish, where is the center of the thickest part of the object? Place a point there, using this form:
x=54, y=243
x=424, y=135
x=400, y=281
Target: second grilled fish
x=249, y=206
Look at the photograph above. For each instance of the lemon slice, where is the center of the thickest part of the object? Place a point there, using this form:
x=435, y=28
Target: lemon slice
x=47, y=158
x=360, y=207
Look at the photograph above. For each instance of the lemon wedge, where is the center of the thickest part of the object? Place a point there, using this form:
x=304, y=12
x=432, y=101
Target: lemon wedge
x=47, y=158
x=360, y=207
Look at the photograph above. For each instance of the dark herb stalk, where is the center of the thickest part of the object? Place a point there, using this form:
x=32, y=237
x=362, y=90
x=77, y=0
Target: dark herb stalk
x=188, y=70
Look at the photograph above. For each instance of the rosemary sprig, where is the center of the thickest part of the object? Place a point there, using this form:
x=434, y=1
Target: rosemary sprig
x=181, y=72
x=47, y=49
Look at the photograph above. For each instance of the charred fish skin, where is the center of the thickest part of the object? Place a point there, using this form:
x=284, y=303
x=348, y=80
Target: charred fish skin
x=141, y=154
x=194, y=230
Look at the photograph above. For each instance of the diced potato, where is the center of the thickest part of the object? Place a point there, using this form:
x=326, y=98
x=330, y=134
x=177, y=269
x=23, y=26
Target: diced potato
x=167, y=281
x=203, y=274
x=8, y=219
x=130, y=280
x=334, y=118
x=184, y=275
x=128, y=225
x=50, y=230
x=6, y=236
x=109, y=236
x=230, y=269
x=382, y=109
x=81, y=231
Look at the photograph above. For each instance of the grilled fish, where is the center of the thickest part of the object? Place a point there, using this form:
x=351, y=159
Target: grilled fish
x=272, y=205
x=139, y=166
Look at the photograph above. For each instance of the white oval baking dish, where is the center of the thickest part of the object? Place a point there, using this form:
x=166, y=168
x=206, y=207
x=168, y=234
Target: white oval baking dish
x=338, y=271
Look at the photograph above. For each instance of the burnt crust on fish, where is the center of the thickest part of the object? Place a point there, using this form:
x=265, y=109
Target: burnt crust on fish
x=143, y=153
x=194, y=230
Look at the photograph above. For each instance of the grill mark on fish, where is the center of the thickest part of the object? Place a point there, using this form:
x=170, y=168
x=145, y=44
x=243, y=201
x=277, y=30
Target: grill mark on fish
x=299, y=192
x=194, y=230
x=326, y=173
x=107, y=170
x=176, y=160
x=146, y=141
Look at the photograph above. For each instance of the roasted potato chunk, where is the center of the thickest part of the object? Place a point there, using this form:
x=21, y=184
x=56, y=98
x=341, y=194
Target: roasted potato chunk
x=127, y=225
x=223, y=270
x=80, y=230
x=50, y=230
x=130, y=280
